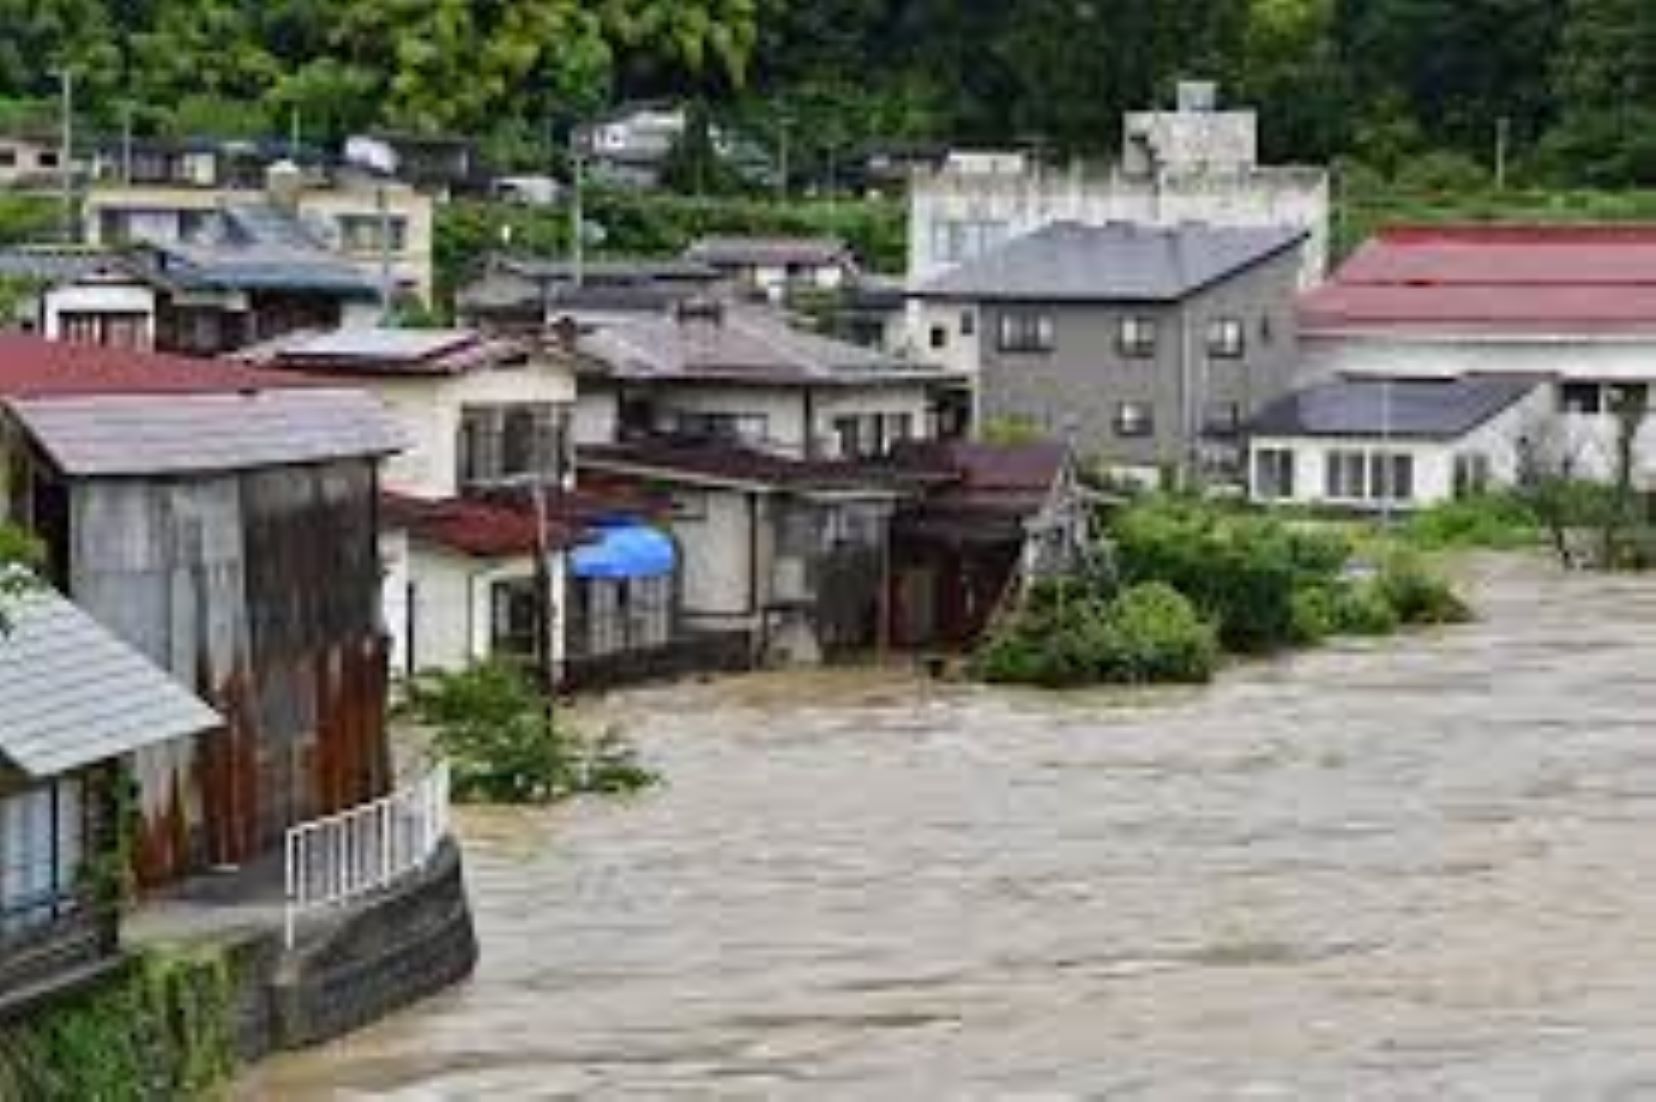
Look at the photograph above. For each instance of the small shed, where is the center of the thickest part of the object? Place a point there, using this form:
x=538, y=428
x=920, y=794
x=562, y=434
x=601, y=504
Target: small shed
x=230, y=536
x=74, y=701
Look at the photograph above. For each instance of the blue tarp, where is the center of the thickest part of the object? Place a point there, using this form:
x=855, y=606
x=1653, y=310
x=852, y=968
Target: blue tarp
x=625, y=549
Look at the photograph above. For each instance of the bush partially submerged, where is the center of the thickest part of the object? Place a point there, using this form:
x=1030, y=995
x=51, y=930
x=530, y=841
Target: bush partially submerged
x=491, y=725
x=1499, y=522
x=1065, y=635
x=1201, y=578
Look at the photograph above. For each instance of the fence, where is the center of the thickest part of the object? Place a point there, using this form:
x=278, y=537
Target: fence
x=334, y=860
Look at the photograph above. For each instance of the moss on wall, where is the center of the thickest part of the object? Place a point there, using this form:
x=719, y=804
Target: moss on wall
x=160, y=1028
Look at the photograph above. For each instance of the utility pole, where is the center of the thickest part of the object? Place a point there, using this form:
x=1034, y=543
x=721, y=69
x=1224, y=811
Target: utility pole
x=577, y=219
x=126, y=142
x=294, y=133
x=386, y=295
x=66, y=151
x=782, y=160
x=1503, y=127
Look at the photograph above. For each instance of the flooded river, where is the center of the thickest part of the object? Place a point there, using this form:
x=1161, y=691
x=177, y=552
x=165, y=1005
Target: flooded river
x=1421, y=869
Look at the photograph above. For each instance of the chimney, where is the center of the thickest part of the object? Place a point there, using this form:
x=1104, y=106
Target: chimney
x=284, y=183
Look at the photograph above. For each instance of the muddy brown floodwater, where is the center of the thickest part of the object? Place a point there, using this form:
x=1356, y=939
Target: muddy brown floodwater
x=1419, y=869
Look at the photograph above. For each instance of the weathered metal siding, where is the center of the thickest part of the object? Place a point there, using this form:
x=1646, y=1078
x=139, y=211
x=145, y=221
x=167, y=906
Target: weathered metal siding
x=258, y=590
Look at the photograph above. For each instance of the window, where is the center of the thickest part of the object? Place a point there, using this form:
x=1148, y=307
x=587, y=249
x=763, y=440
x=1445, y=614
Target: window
x=373, y=232
x=608, y=617
x=1471, y=474
x=1134, y=419
x=119, y=330
x=47, y=158
x=8, y=157
x=514, y=618
x=1345, y=476
x=40, y=854
x=1025, y=332
x=727, y=428
x=939, y=337
x=968, y=323
x=1581, y=398
x=1369, y=476
x=1223, y=418
x=1136, y=337
x=1225, y=339
x=505, y=443
x=871, y=435
x=1274, y=474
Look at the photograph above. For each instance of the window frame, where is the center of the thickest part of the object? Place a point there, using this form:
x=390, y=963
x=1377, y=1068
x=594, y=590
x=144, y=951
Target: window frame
x=1226, y=338
x=1127, y=427
x=1137, y=336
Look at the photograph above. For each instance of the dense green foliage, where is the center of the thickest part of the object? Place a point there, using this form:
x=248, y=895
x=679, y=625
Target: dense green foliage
x=162, y=1028
x=1069, y=634
x=1196, y=579
x=492, y=725
x=1416, y=89
x=1501, y=522
x=657, y=225
x=1241, y=569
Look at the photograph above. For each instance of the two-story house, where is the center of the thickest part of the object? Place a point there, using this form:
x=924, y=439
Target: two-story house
x=381, y=227
x=526, y=294
x=484, y=490
x=629, y=145
x=1148, y=346
x=719, y=372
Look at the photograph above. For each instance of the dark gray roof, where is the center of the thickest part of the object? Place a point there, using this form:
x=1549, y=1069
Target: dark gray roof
x=1425, y=409
x=1118, y=262
x=55, y=263
x=72, y=694
x=612, y=270
x=737, y=345
x=134, y=434
x=262, y=267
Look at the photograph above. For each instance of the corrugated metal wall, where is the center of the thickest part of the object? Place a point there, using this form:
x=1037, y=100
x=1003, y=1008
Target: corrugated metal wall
x=260, y=591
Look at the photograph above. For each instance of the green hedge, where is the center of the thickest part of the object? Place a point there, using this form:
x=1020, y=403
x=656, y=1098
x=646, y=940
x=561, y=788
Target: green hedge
x=161, y=1029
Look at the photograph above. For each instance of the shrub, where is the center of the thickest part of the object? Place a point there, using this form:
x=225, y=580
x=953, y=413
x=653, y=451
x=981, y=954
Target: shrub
x=1495, y=521
x=1417, y=595
x=1362, y=609
x=1065, y=635
x=1153, y=634
x=1315, y=615
x=491, y=724
x=1241, y=570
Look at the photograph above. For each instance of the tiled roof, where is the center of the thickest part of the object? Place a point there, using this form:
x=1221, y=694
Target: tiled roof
x=738, y=345
x=260, y=267
x=477, y=528
x=1426, y=409
x=33, y=367
x=1522, y=279
x=1118, y=262
x=768, y=251
x=1115, y=262
x=151, y=434
x=56, y=263
x=73, y=694
x=735, y=465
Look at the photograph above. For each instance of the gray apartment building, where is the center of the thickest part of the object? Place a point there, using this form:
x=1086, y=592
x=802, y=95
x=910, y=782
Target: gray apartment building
x=1151, y=345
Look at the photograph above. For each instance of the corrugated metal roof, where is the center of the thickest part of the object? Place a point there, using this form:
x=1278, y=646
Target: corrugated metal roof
x=1118, y=262
x=377, y=343
x=1424, y=409
x=56, y=263
x=33, y=367
x=72, y=694
x=1523, y=279
x=117, y=435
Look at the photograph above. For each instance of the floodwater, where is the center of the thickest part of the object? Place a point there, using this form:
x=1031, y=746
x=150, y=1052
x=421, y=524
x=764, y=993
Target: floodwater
x=1418, y=869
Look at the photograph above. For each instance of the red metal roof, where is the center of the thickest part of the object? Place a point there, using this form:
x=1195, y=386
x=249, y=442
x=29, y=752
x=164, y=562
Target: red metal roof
x=32, y=367
x=1524, y=279
x=472, y=527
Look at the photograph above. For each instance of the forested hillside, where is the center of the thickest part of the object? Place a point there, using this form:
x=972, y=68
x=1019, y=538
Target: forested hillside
x=1380, y=81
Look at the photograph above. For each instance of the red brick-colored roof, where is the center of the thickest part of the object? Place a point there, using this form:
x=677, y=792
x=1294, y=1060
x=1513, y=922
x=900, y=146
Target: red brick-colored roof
x=1522, y=279
x=481, y=529
x=33, y=367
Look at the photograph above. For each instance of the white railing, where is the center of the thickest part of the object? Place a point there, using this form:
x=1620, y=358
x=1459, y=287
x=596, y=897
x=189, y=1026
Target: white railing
x=331, y=861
